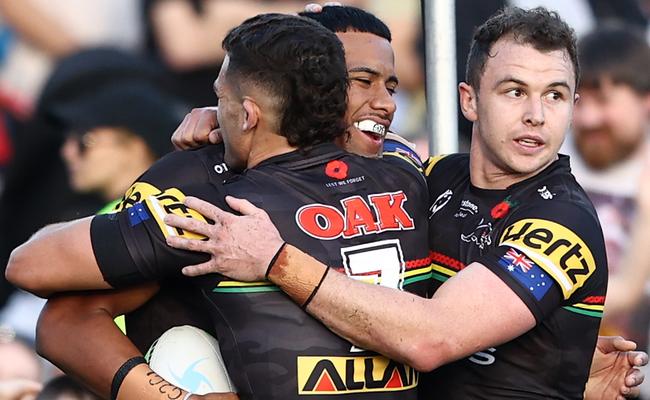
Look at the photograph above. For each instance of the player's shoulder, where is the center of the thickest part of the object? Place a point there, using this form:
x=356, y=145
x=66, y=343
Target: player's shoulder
x=553, y=222
x=442, y=164
x=177, y=170
x=556, y=193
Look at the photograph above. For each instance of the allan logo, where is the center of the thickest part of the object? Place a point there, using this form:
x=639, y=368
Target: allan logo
x=555, y=248
x=343, y=375
x=358, y=218
x=336, y=169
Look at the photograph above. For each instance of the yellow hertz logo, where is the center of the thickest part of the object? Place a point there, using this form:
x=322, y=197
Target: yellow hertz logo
x=556, y=249
x=161, y=203
x=344, y=375
x=136, y=193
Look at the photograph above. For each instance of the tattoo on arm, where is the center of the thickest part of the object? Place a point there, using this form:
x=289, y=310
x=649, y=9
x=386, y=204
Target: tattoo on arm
x=173, y=392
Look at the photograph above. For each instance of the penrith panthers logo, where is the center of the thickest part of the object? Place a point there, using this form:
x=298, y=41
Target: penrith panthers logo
x=381, y=212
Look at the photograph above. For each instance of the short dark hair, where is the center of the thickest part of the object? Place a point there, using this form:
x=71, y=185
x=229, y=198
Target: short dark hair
x=542, y=29
x=619, y=53
x=301, y=63
x=349, y=19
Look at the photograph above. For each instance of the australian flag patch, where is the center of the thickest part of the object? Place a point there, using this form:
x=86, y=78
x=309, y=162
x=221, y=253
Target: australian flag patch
x=137, y=214
x=526, y=272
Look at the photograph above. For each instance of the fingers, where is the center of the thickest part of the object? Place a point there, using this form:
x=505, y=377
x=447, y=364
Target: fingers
x=332, y=4
x=622, y=344
x=195, y=129
x=207, y=209
x=242, y=206
x=608, y=344
x=634, y=377
x=188, y=224
x=205, y=125
x=638, y=358
x=632, y=393
x=215, y=136
x=198, y=269
x=177, y=136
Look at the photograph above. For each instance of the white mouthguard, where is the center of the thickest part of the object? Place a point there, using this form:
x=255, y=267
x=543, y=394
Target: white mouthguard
x=368, y=125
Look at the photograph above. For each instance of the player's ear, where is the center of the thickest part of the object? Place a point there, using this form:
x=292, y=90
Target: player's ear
x=251, y=114
x=468, y=101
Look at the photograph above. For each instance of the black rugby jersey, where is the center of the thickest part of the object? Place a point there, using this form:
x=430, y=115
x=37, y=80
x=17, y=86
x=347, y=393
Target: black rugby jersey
x=176, y=303
x=360, y=216
x=542, y=237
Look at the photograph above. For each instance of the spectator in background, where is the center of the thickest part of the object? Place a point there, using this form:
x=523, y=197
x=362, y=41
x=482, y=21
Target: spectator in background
x=114, y=135
x=65, y=388
x=45, y=31
x=36, y=35
x=20, y=368
x=36, y=190
x=610, y=151
x=185, y=36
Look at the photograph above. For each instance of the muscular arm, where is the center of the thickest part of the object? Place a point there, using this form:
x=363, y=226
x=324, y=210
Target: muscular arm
x=474, y=310
x=77, y=333
x=57, y=258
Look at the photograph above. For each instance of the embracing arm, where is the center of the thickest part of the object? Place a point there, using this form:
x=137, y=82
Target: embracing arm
x=451, y=325
x=77, y=333
x=57, y=258
x=370, y=316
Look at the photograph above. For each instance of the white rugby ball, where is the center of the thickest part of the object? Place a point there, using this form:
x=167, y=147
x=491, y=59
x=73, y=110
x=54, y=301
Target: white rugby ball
x=190, y=358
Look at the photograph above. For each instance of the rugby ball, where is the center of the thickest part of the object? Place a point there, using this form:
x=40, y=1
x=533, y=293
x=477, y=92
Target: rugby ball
x=190, y=358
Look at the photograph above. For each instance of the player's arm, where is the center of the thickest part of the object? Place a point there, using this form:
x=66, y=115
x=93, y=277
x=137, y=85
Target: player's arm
x=78, y=334
x=57, y=258
x=61, y=257
x=428, y=335
x=613, y=363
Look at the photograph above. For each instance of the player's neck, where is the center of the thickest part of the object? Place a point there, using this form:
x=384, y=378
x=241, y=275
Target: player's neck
x=267, y=145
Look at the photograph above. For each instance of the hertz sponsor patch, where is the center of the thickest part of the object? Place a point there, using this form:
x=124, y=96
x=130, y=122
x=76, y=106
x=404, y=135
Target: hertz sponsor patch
x=135, y=194
x=344, y=375
x=170, y=201
x=555, y=248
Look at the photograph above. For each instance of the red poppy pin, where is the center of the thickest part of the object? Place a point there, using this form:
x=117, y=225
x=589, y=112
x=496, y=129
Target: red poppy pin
x=336, y=169
x=501, y=209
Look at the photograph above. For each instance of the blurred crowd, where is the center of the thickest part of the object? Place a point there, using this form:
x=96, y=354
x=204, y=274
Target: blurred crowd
x=91, y=90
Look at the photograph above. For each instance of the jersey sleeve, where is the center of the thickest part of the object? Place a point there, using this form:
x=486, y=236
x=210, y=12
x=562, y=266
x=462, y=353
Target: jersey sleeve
x=549, y=256
x=130, y=245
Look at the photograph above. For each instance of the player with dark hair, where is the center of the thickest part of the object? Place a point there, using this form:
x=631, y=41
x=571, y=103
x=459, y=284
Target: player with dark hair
x=513, y=236
x=339, y=207
x=371, y=69
x=367, y=88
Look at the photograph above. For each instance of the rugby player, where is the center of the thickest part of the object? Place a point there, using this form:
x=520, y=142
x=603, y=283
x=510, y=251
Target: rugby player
x=368, y=89
x=282, y=92
x=509, y=215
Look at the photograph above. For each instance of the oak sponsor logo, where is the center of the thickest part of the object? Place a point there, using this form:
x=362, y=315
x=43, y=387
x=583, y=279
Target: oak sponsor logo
x=344, y=375
x=381, y=212
x=555, y=248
